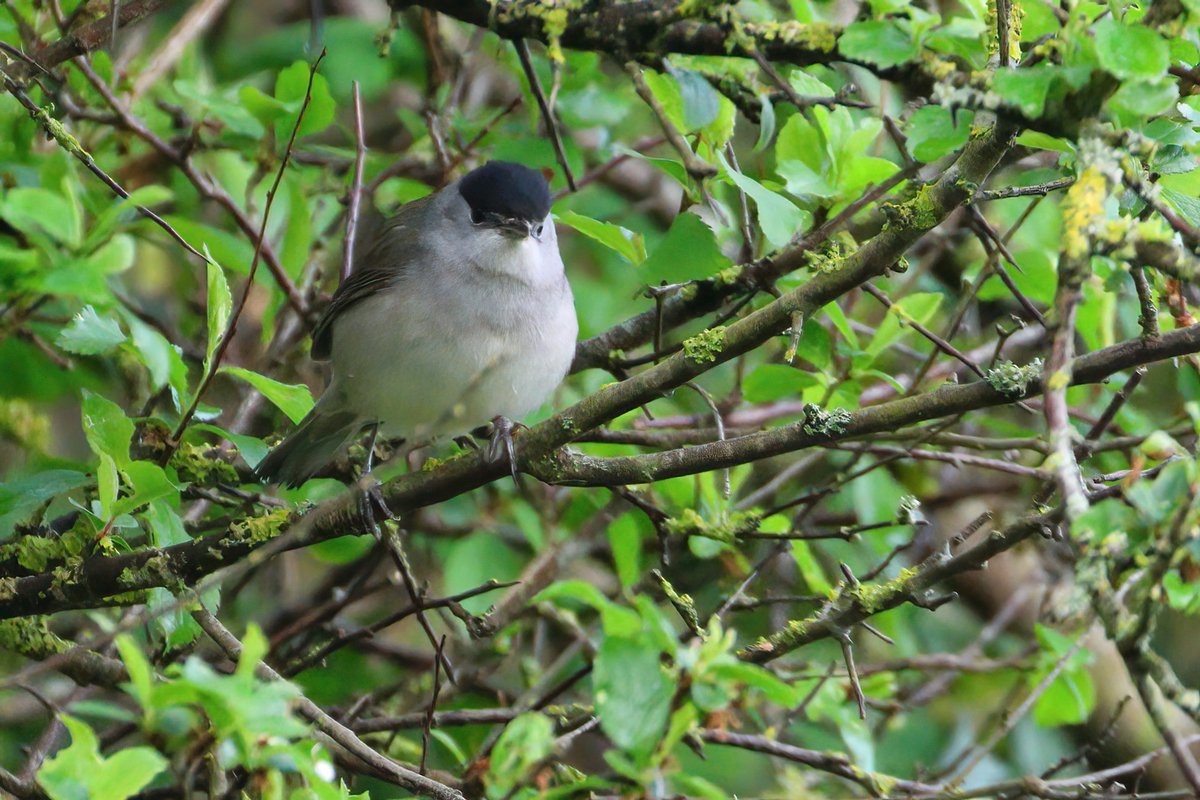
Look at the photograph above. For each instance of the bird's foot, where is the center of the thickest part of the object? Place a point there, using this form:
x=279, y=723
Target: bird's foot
x=466, y=442
x=501, y=446
x=370, y=502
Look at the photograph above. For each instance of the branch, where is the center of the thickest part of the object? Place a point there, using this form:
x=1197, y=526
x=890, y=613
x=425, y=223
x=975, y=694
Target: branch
x=89, y=37
x=97, y=578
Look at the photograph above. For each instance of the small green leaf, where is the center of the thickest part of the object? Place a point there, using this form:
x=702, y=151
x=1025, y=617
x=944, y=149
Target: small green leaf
x=295, y=400
x=35, y=210
x=22, y=496
x=524, y=743
x=633, y=693
x=689, y=252
x=90, y=334
x=1025, y=88
x=701, y=102
x=141, y=675
x=220, y=303
x=628, y=244
x=779, y=218
x=932, y=132
x=290, y=87
x=1130, y=51
x=108, y=430
x=625, y=540
x=79, y=771
x=879, y=42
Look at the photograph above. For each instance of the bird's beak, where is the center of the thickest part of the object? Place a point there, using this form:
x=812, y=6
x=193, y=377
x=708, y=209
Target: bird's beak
x=516, y=228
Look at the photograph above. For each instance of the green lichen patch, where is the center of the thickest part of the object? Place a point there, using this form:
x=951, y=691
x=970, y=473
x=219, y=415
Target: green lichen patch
x=831, y=256
x=683, y=603
x=820, y=422
x=256, y=530
x=873, y=597
x=202, y=465
x=920, y=212
x=726, y=528
x=1011, y=379
x=704, y=347
x=817, y=36
x=31, y=637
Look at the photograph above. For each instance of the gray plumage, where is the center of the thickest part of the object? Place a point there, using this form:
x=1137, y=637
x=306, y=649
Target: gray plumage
x=454, y=315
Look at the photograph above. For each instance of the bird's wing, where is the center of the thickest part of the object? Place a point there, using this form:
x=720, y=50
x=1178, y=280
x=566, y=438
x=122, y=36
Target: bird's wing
x=391, y=250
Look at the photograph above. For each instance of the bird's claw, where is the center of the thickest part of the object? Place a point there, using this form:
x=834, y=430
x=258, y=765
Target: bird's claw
x=370, y=500
x=501, y=446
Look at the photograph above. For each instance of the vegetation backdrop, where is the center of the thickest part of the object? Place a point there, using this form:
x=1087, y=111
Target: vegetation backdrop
x=874, y=475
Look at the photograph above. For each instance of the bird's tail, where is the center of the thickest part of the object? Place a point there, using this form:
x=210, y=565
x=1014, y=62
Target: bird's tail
x=315, y=443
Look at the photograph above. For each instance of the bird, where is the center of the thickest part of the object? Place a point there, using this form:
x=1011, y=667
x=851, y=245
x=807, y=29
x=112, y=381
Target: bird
x=458, y=313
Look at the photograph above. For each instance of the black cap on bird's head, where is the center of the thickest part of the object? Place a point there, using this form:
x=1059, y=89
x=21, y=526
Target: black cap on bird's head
x=510, y=197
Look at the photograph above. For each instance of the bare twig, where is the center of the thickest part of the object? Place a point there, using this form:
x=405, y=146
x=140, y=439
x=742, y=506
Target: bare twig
x=354, y=197
x=535, y=86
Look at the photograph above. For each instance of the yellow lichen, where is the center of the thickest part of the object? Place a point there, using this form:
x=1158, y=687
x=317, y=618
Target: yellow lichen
x=1083, y=206
x=704, y=347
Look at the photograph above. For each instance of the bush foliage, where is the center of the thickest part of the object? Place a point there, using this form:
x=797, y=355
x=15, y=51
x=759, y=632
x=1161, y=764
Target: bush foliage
x=874, y=476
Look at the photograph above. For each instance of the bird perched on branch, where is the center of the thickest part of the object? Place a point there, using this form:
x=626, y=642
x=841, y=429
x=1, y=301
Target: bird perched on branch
x=457, y=313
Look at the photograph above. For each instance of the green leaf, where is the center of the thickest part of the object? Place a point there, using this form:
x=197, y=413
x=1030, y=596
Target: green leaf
x=290, y=87
x=79, y=772
x=90, y=334
x=1186, y=205
x=625, y=540
x=616, y=620
x=141, y=674
x=1130, y=51
x=770, y=382
x=628, y=244
x=879, y=42
x=779, y=218
x=932, y=132
x=633, y=693
x=701, y=102
x=115, y=255
x=1138, y=100
x=295, y=400
x=254, y=648
x=108, y=430
x=35, y=210
x=688, y=252
x=220, y=303
x=148, y=482
x=22, y=496
x=1025, y=88
x=162, y=360
x=524, y=743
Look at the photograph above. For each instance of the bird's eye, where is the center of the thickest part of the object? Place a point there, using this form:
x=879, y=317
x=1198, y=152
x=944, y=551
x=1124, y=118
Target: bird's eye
x=538, y=231
x=476, y=217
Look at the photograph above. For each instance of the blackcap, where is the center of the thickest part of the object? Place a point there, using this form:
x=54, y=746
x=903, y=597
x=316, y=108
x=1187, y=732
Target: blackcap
x=457, y=313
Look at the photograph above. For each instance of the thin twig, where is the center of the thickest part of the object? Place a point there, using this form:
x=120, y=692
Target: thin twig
x=356, y=191
x=535, y=86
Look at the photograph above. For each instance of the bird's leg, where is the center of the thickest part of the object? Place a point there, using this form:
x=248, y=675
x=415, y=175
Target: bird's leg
x=501, y=445
x=370, y=497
